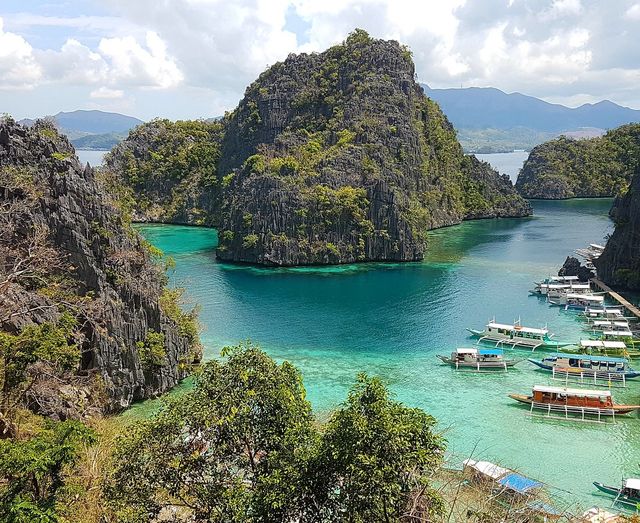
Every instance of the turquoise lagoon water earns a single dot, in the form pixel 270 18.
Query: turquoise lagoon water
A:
pixel 392 320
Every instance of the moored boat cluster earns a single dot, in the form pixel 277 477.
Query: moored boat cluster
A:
pixel 598 361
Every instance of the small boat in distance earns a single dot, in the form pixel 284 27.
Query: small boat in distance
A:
pixel 517 336
pixel 479 359
pixel 565 403
pixel 628 493
pixel 581 366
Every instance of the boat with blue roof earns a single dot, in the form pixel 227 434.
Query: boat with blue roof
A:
pixel 479 359
pixel 581 366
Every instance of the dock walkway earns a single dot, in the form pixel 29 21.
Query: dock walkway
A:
pixel 615 296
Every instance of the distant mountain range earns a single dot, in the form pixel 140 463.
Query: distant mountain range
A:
pixel 93 129
pixel 488 119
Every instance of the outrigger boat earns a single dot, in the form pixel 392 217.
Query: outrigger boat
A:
pixel 479 359
pixel 555 283
pixel 581 366
pixel 517 336
pixel 573 403
pixel 603 313
pixel 578 301
pixel 601 326
pixel 628 494
pixel 604 348
pixel 582 288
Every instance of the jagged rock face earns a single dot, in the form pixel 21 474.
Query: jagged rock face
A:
pixel 171 168
pixel 596 167
pixel 573 267
pixel 619 264
pixel 111 272
pixel 339 157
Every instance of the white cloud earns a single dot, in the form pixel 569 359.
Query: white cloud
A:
pixel 106 94
pixel 547 48
pixel 130 63
pixel 633 12
pixel 18 67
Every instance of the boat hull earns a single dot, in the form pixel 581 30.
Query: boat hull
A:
pixel 615 491
pixel 609 411
pixel 585 372
pixel 518 342
pixel 482 365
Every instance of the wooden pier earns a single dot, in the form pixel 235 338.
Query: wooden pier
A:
pixel 615 296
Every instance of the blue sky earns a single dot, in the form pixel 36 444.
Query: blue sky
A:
pixel 194 58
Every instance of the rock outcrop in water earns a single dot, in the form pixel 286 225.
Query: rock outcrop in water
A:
pixel 339 157
pixel 619 264
pixel 594 167
pixel 335 157
pixel 573 267
pixel 77 255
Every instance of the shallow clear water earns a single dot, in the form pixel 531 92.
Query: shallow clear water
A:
pixel 392 319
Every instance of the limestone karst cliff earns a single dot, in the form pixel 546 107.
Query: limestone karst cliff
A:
pixel 594 167
pixel 334 157
pixel 619 264
pixel 67 251
pixel 340 157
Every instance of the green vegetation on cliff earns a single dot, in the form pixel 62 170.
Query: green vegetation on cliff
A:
pixel 171 167
pixel 339 157
pixel 593 167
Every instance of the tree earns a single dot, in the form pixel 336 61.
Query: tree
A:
pixel 32 471
pixel 375 460
pixel 232 449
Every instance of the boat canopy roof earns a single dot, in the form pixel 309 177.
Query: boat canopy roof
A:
pixel 619 334
pixel 632 483
pixel 486 468
pixel 588 357
pixel 596 246
pixel 587 297
pixel 467 351
pixel 564 278
pixel 519 483
pixel 602 323
pixel 573 392
pixel 603 344
pixel 492 352
pixel 592 343
pixel 531 330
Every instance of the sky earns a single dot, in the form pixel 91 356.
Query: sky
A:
pixel 194 58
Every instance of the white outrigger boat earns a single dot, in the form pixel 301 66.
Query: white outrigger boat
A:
pixel 578 301
pixel 603 313
pixel 581 288
pixel 555 283
pixel 479 359
pixel 517 336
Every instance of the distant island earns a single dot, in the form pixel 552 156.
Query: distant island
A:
pixel 490 120
pixel 94 130
pixel 594 167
